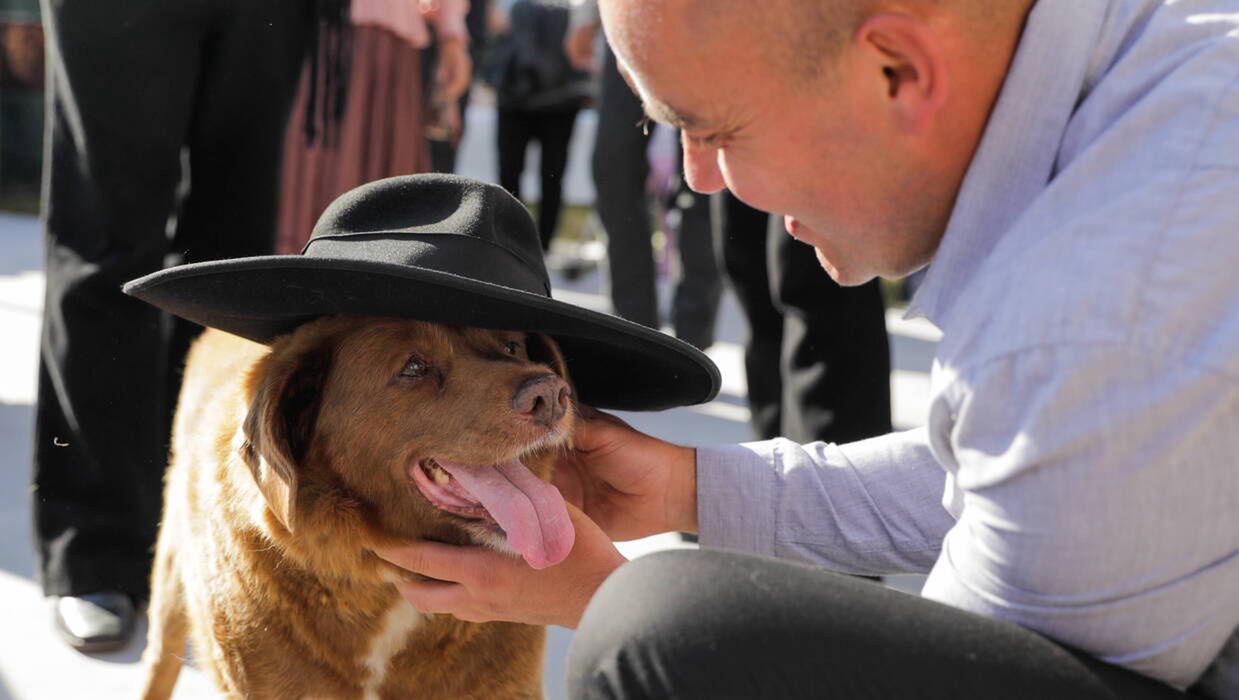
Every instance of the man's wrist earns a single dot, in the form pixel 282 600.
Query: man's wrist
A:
pixel 682 504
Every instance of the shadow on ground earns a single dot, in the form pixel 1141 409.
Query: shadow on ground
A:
pixel 19 239
pixel 16 547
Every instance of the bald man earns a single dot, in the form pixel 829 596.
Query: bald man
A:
pixel 1069 170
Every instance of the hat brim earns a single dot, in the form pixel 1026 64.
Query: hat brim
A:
pixel 614 363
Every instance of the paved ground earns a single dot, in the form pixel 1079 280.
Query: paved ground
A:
pixel 35 665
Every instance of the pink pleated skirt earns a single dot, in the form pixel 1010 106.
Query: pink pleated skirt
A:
pixel 382 134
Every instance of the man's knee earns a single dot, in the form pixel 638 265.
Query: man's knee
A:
pixel 643 613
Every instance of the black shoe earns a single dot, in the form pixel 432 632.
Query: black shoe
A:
pixel 94 621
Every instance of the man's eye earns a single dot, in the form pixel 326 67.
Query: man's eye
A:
pixel 712 141
pixel 512 348
pixel 415 368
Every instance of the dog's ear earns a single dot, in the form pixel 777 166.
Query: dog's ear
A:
pixel 542 349
pixel 280 425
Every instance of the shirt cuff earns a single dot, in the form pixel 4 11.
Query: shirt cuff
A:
pixel 868 507
pixel 737 497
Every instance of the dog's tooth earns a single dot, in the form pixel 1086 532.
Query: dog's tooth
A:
pixel 441 477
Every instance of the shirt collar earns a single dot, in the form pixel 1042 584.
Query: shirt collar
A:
pixel 1016 156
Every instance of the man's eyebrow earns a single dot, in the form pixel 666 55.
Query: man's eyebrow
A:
pixel 666 114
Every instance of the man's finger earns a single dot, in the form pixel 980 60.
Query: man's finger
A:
pixel 570 484
pixel 434 596
pixel 583 523
pixel 434 559
pixel 578 517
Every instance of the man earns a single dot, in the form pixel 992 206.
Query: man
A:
pixel 1071 167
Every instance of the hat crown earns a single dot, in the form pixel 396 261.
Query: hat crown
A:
pixel 445 222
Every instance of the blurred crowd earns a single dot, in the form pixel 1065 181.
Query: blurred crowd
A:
pixel 192 131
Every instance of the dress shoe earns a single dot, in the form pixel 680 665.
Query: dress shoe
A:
pixel 94 621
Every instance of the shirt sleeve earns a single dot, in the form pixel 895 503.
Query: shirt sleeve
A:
pixel 1100 507
pixel 869 507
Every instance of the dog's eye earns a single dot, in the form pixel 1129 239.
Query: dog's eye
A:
pixel 512 348
pixel 415 368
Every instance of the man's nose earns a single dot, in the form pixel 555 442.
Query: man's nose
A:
pixel 701 170
pixel 542 398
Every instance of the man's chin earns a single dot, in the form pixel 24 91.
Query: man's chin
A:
pixel 826 264
pixel 842 275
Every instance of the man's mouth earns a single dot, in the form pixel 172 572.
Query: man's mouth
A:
pixel 530 512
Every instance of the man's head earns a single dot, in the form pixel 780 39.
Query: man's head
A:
pixel 856 118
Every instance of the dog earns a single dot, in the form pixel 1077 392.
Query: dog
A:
pixel 290 464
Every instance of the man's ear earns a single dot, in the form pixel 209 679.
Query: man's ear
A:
pixel 280 425
pixel 542 349
pixel 906 59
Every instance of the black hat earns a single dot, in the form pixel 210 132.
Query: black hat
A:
pixel 438 248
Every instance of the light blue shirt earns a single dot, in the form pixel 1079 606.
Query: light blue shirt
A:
pixel 1079 474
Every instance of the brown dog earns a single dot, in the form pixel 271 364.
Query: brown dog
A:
pixel 290 465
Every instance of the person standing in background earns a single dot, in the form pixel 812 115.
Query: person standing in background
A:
pixel 539 94
pixel 817 359
pixel 620 170
pixel 163 139
pixel 370 124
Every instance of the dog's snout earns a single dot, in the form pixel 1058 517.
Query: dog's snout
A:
pixel 543 398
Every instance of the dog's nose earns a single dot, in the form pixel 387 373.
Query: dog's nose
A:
pixel 543 398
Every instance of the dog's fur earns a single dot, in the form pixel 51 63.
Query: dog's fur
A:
pixel 290 465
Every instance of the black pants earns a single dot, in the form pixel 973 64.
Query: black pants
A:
pixel 817 357
pixel 552 130
pixel 135 86
pixel 715 624
pixel 620 170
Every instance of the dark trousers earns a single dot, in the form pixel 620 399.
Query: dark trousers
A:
pixel 552 130
pixel 136 88
pixel 817 357
pixel 716 624
pixel 620 171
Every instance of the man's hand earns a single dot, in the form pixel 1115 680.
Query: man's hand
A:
pixel 477 584
pixel 454 72
pixel 631 484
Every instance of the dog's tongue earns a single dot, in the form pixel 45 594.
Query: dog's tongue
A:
pixel 530 511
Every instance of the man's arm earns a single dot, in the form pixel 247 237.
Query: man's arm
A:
pixel 869 507
pixel 1101 508
pixel 455 69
